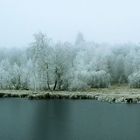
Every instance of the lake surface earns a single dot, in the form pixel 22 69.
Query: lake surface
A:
pixel 22 119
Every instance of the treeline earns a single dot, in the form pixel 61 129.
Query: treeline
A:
pixel 46 65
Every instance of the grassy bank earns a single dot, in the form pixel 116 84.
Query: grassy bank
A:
pixel 114 94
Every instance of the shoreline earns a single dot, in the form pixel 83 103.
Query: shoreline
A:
pixel 104 95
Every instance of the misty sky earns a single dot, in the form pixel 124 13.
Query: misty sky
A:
pixel 111 21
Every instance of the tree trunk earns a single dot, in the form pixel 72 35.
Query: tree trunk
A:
pixel 56 79
pixel 48 81
pixel 55 85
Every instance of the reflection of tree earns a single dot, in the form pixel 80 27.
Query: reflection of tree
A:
pixel 51 120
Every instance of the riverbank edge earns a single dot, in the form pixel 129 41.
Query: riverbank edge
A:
pixel 111 98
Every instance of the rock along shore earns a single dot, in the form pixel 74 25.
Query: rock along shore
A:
pixel 106 97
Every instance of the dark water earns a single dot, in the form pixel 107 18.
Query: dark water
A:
pixel 68 120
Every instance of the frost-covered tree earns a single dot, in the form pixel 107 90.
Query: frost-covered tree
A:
pixel 62 61
pixel 99 79
pixel 79 80
pixel 40 56
pixel 79 39
pixel 5 76
pixel 134 80
pixel 16 76
pixel 46 65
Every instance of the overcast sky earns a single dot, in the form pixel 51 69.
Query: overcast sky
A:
pixel 111 21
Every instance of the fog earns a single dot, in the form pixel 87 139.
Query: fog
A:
pixel 69 45
pixel 100 21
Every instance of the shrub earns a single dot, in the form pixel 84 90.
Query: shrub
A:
pixel 99 79
pixel 79 81
pixel 95 79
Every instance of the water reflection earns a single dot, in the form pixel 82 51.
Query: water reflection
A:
pixel 68 120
